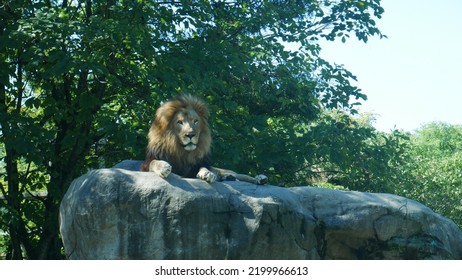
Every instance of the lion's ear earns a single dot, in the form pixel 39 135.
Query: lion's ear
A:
pixel 203 112
pixel 201 109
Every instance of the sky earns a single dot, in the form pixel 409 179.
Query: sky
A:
pixel 414 76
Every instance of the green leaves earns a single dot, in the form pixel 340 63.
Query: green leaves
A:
pixel 435 166
pixel 65 65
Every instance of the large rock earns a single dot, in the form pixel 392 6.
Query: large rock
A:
pixel 121 214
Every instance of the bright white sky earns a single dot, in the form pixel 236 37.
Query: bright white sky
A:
pixel 415 76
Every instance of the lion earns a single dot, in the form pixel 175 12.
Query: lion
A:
pixel 179 142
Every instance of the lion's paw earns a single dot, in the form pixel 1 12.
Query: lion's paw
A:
pixel 206 175
pixel 160 167
pixel 261 179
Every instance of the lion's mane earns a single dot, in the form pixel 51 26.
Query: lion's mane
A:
pixel 163 144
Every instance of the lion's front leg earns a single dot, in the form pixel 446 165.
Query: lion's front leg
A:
pixel 160 167
pixel 206 175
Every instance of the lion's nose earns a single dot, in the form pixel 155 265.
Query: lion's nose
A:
pixel 190 135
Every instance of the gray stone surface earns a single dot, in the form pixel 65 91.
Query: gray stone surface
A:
pixel 121 214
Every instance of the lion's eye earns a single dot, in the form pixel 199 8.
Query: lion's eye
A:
pixel 179 122
pixel 196 121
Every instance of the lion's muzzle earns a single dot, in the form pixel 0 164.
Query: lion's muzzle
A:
pixel 190 141
pixel 190 146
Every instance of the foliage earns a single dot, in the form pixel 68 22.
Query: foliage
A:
pixel 69 74
pixel 435 164
pixel 80 80
pixel 351 153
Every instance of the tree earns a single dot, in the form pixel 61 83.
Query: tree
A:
pixel 435 163
pixel 348 152
pixel 68 69
pixel 80 80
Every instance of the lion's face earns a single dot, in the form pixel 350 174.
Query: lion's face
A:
pixel 187 127
pixel 180 134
